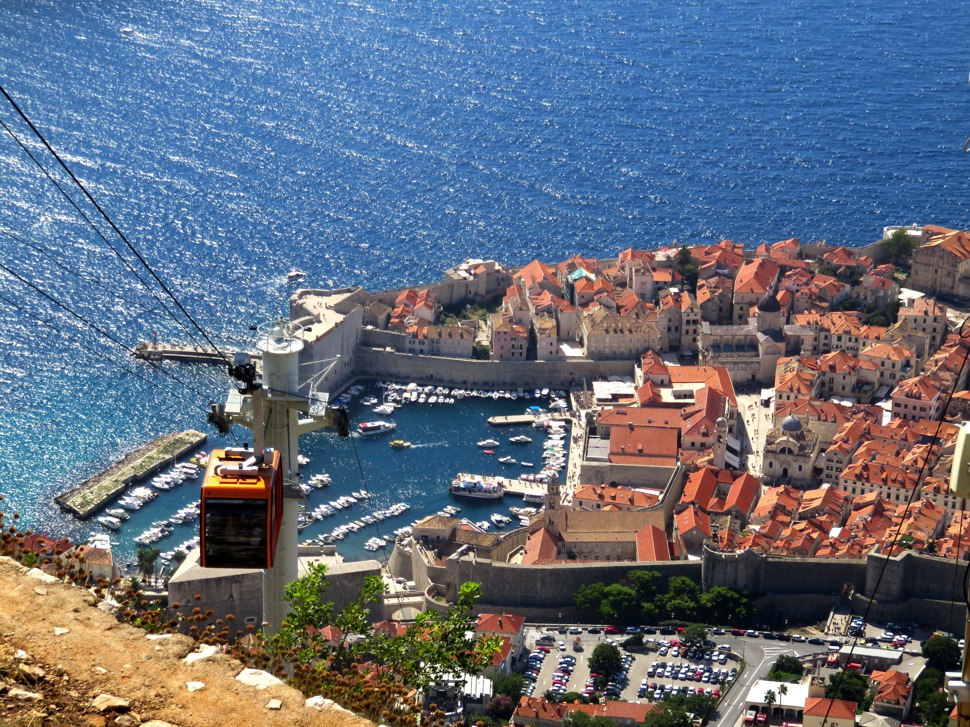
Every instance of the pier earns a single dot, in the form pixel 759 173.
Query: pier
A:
pixel 187 354
pixel 505 421
pixel 95 492
pixel 518 488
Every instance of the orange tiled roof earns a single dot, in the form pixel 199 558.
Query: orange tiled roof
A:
pixel 499 623
pixel 839 709
pixel 755 276
pixel 644 446
pixel 955 242
pixel 693 518
pixel 652 544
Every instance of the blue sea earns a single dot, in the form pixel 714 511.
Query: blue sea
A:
pixel 377 143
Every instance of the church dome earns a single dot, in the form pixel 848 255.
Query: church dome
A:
pixel 721 423
pixel 791 424
pixel 769 304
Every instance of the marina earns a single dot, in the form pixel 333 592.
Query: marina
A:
pixel 363 509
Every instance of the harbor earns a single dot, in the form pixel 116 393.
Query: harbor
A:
pixel 96 492
pixel 360 506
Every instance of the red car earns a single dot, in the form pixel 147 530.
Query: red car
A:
pixel 611 630
pixel 737 632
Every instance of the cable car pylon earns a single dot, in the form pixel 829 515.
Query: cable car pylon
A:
pixel 277 413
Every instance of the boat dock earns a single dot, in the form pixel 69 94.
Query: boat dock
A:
pixel 518 488
pixel 95 492
pixel 188 354
pixel 525 419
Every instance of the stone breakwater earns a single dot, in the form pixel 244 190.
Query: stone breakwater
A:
pixel 91 495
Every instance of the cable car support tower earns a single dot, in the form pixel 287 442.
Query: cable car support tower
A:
pixel 277 413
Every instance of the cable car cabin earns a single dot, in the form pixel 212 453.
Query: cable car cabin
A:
pixel 242 509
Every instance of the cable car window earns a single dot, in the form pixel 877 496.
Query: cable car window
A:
pixel 235 533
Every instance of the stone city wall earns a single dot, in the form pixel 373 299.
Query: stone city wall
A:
pixel 913 575
pixel 547 587
pixel 466 373
pixel 777 575
pixel 452 292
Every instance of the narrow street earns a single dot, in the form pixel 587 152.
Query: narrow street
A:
pixel 757 422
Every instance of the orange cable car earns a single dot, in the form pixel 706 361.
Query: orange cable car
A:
pixel 242 508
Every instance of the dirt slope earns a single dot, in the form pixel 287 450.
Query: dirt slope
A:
pixel 99 656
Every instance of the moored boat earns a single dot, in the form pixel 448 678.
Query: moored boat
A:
pixel 370 429
pixel 471 486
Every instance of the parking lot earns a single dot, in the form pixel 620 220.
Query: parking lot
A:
pixel 561 664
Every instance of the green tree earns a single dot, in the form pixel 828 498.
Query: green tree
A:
pixel 633 642
pixel 613 603
pixel 682 598
pixel 782 692
pixel 942 653
pixel 605 661
pixel 500 707
pixel 723 605
pixel 933 710
pixel 588 599
pixel 433 645
pixel 850 685
pixel 619 605
pixel 694 635
pixel 683 256
pixel 146 558
pixel 899 247
pixel 770 699
pixel 511 685
pixel 667 715
pixel 699 705
pixel 645 585
pixel 481 351
pixel 437 644
pixel 786 664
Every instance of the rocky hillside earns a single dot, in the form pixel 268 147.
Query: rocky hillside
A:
pixel 63 661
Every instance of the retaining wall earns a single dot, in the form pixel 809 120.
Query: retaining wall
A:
pixel 466 373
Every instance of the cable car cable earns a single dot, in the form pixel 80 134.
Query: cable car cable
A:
pixel 110 222
pixel 94 227
pixel 370 498
pixel 88 323
pixel 100 354
pixel 80 276
pixel 964 336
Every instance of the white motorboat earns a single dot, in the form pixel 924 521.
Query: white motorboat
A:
pixel 370 429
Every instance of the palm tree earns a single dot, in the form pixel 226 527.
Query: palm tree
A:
pixel 770 699
pixel 146 561
pixel 782 691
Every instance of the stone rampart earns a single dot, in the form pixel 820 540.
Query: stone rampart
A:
pixel 779 575
pixel 913 575
pixel 373 338
pixel 466 373
pixel 546 587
